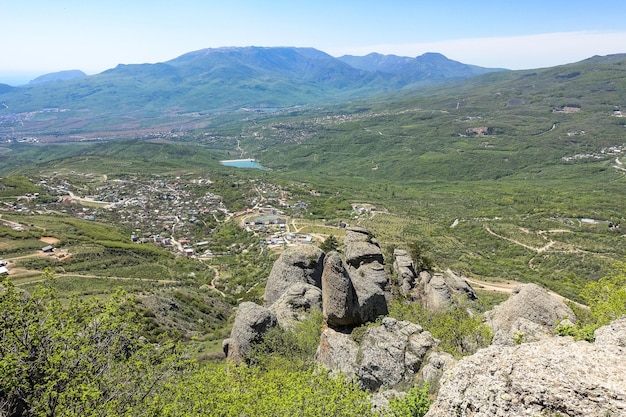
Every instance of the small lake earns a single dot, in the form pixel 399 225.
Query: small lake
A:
pixel 243 163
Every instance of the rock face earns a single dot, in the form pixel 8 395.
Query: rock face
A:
pixel 297 300
pixel 251 322
pixel 386 355
pixel 301 264
pixel 554 376
pixel 612 334
pixel 403 265
pixel 438 291
pixel 351 297
pixel 530 314
pixel 339 303
pixel 361 248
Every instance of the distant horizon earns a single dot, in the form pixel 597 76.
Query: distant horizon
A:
pixel 22 79
pixel 48 37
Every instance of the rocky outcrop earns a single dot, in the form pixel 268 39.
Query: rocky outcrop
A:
pixel 251 322
pixel 435 365
pixel 384 355
pixel 361 248
pixel 301 264
pixel 530 314
pixel 554 376
pixel 293 305
pixel 351 297
pixel 405 270
pixel 438 291
pixel 612 334
pixel 339 304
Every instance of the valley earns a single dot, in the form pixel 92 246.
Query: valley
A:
pixel 482 178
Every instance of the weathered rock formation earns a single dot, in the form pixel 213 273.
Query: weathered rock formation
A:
pixel 361 248
pixel 612 334
pixel 385 355
pixel 530 314
pixel 554 376
pixel 301 264
pixel 403 265
pixel 298 300
pixel 438 291
pixel 351 297
pixel 251 322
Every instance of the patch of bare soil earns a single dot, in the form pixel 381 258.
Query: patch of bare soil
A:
pixel 50 240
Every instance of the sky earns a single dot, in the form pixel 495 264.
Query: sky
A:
pixel 42 36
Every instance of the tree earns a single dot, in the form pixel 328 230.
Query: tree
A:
pixel 606 299
pixel 329 244
pixel 415 403
pixel 76 358
pixel 421 260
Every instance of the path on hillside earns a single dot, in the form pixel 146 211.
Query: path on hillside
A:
pixel 216 277
pixel 508 286
pixel 65 275
pixel 534 249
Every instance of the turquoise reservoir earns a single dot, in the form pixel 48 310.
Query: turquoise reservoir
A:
pixel 243 163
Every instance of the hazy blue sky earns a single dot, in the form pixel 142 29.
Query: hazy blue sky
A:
pixel 40 36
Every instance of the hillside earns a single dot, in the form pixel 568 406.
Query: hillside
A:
pixel 194 84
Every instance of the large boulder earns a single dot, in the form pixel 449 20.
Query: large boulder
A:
pixel 339 303
pixel 530 314
pixel 361 247
pixel 299 264
pixel 612 334
pixel 370 281
pixel 251 322
pixel 554 376
pixel 438 291
pixel 385 355
pixel 351 297
pixel 297 300
pixel 405 270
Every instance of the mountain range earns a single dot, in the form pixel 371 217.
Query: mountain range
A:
pixel 224 79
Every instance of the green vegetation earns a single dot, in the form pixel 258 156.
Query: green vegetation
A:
pixel 414 404
pixel 459 331
pixel 82 358
pixel 606 299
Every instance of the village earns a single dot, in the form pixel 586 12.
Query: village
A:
pixel 178 213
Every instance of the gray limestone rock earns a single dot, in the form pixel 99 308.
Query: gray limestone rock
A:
pixel 251 323
pixel 438 291
pixel 530 314
pixel 405 270
pixel 554 376
pixel 300 264
pixel 339 304
pixel 361 247
pixel 612 334
pixel 386 355
pixel 298 299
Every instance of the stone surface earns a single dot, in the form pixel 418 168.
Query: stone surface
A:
pixel 387 355
pixel 530 314
pixel 612 334
pixel 405 270
pixel 435 364
pixel 339 304
pixel 251 322
pixel 438 291
pixel 297 300
pixel 361 248
pixel 554 376
pixel 299 264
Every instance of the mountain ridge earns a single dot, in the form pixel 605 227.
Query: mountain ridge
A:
pixel 223 79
